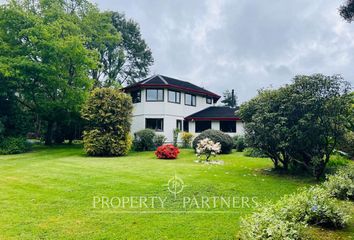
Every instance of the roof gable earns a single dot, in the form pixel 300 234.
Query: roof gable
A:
pixel 171 83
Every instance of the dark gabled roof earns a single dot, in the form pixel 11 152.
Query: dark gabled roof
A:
pixel 214 113
pixel 171 83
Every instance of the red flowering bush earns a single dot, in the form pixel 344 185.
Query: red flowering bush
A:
pixel 167 151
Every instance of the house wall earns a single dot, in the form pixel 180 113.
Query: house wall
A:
pixel 216 126
pixel 170 112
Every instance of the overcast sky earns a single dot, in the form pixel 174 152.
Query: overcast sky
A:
pixel 243 44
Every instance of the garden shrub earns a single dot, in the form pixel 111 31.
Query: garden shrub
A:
pixel 216 136
pixel 341 184
pixel 175 133
pixel 14 145
pixel 144 140
pixel 254 152
pixel 206 147
pixel 287 218
pixel 159 140
pixel 337 160
pixel 312 206
pixel 267 224
pixel 186 139
pixel 167 151
pixel 108 113
pixel 239 143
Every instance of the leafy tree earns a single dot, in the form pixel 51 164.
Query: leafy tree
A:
pixel 124 58
pixel 108 112
pixel 43 57
pixel 347 10
pixel 229 99
pixel 299 124
pixel 266 125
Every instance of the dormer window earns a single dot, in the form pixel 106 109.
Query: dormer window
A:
pixel 174 97
pixel 190 100
pixel 209 100
pixel 136 96
pixel 154 95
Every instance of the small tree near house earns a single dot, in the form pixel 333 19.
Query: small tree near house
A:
pixel 108 112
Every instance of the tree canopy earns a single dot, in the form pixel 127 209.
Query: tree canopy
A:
pixel 347 10
pixel 229 98
pixel 53 52
pixel 299 124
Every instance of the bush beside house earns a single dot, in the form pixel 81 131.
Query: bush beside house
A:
pixel 108 113
pixel 217 137
pixel 167 151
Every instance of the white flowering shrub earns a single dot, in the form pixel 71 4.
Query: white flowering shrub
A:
pixel 207 148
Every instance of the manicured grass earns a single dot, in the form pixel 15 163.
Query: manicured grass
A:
pixel 48 194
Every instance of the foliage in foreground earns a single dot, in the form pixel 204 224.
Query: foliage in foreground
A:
pixel 299 124
pixel 14 145
pixel 216 136
pixel 341 184
pixel 287 218
pixel 108 112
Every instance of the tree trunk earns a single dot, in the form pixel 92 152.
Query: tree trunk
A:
pixel 49 133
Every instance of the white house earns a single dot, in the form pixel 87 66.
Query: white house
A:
pixel 163 104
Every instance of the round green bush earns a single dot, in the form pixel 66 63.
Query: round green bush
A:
pixel 108 113
pixel 216 136
pixel 239 143
pixel 14 145
pixel 144 140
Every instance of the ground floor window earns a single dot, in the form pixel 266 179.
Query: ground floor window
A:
pixel 154 123
pixel 228 126
pixel 185 126
pixel 179 124
pixel 200 126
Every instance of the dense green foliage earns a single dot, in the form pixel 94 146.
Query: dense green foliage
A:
pixel 239 143
pixel 159 140
pixel 229 99
pixel 287 218
pixel 254 152
pixel 341 184
pixel 108 113
pixel 217 137
pixel 144 140
pixel 14 145
pixel 299 124
pixel 347 10
pixel 269 224
pixel 51 54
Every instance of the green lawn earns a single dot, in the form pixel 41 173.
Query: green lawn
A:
pixel 48 194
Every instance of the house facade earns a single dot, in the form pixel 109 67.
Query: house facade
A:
pixel 163 104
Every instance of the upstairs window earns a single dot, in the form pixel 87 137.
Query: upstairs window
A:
pixel 154 95
pixel 190 100
pixel 136 96
pixel 154 124
pixel 209 100
pixel 228 126
pixel 174 97
pixel 201 126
